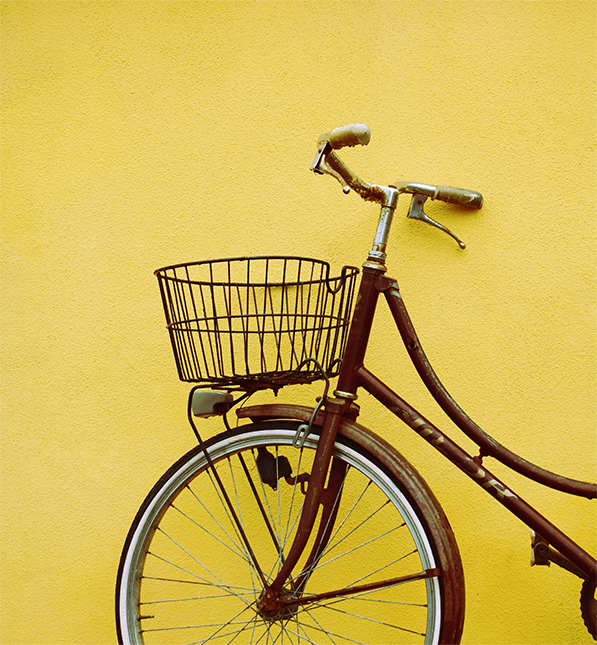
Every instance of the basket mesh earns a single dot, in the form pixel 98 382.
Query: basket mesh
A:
pixel 253 322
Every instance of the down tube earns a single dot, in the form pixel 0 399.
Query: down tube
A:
pixel 477 473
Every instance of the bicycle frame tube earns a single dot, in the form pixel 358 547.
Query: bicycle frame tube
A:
pixel 354 375
pixel 488 445
pixel 478 473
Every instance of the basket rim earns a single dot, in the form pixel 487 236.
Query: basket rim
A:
pixel 161 273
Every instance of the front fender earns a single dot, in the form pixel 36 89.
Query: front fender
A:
pixel 373 443
pixel 362 436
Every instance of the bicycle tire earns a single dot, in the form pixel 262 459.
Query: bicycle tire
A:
pixel 176 542
pixel 588 607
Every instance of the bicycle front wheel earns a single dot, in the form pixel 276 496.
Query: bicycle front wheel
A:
pixel 189 574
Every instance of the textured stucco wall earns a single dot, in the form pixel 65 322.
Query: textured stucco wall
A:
pixel 139 134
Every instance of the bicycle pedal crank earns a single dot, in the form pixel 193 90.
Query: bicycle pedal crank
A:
pixel 272 469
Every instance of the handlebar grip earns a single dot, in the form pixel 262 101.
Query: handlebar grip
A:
pixel 462 196
pixel 348 135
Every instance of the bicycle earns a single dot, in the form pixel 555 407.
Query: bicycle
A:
pixel 299 525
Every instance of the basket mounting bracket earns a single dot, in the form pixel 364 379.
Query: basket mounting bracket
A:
pixel 303 431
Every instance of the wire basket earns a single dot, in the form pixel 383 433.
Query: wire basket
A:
pixel 253 323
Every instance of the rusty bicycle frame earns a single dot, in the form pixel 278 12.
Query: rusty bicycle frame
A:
pixel 354 375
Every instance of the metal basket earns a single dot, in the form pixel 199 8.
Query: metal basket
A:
pixel 253 323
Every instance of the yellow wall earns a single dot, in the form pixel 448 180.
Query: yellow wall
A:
pixel 139 134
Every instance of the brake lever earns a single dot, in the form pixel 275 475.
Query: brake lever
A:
pixel 416 212
pixel 321 167
pixel 321 150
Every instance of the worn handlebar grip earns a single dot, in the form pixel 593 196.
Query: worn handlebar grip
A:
pixel 458 196
pixel 348 135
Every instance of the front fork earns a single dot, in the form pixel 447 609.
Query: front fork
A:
pixel 317 494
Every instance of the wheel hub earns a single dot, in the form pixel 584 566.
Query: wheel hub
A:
pixel 272 608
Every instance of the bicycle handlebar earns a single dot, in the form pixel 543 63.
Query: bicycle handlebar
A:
pixel 459 196
pixel 449 194
pixel 360 134
pixel 328 162
pixel 356 134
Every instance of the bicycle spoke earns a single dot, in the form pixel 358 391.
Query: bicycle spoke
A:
pixel 242 528
pixel 331 545
pixel 240 554
pixel 284 631
pixel 359 596
pixel 177 580
pixel 297 517
pixel 252 622
pixel 230 622
pixel 223 586
pixel 344 638
pixel 385 566
pixel 351 510
pixel 281 546
pixel 292 498
pixel 234 635
pixel 201 626
pixel 276 525
pixel 362 598
pixel 259 502
pixel 227 506
pixel 362 523
pixel 191 555
pixel 238 508
pixel 158 602
pixel 215 634
pixel 216 520
pixel 306 610
pixel 368 619
pixel 374 539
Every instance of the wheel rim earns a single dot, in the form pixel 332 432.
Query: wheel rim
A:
pixel 152 545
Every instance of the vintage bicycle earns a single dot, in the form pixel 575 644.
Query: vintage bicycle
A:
pixel 297 524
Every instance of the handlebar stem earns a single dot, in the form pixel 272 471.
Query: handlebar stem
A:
pixel 377 255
